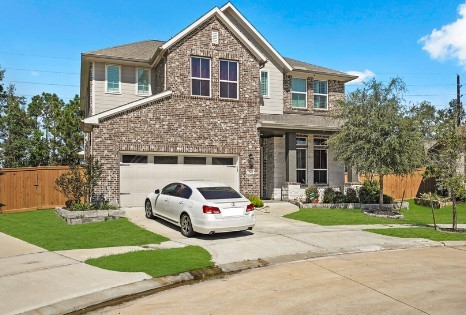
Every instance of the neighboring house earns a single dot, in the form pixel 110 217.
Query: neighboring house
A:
pixel 214 102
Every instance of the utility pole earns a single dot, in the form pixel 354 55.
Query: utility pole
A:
pixel 459 108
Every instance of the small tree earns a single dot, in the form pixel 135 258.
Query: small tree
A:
pixel 78 184
pixel 446 157
pixel 377 134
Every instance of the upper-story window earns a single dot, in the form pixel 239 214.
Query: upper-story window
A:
pixel 228 79
pixel 112 78
pixel 264 83
pixel 200 76
pixel 298 93
pixel 143 81
pixel 320 94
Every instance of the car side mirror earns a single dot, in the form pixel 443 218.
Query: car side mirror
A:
pixel 157 191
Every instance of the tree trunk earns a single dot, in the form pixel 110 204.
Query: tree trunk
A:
pixel 381 192
pixel 453 199
pixel 433 213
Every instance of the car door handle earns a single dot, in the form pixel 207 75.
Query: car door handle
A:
pixel 181 202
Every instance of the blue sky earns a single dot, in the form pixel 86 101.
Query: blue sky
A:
pixel 373 37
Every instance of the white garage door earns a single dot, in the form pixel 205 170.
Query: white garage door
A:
pixel 141 175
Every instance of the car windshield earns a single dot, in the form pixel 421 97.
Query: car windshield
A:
pixel 218 193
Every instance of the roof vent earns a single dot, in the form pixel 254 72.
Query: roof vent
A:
pixel 215 37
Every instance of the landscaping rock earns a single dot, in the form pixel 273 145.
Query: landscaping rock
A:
pixel 79 217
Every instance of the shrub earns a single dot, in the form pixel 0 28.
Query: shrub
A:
pixel 329 195
pixel 78 184
pixel 311 193
pixel 461 195
pixel 256 201
pixel 369 193
pixel 351 196
pixel 338 197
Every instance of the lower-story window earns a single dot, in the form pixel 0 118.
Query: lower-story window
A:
pixel 320 161
pixel 301 157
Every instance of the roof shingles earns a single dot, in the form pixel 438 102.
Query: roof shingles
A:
pixel 142 51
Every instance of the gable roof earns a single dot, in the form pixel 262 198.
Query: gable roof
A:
pixel 141 51
pixel 219 14
pixel 254 31
pixel 304 66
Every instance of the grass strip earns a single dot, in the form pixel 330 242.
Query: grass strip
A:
pixel 156 263
pixel 46 229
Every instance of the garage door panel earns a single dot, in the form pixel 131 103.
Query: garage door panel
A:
pixel 137 180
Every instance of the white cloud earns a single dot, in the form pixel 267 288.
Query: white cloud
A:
pixel 362 76
pixel 449 42
pixel 35 73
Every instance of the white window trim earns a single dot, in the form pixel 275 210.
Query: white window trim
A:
pixel 106 79
pixel 227 81
pixel 302 147
pixel 321 94
pixel 137 82
pixel 191 76
pixel 320 147
pixel 305 93
pixel 268 82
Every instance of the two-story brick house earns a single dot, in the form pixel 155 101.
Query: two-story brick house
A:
pixel 216 102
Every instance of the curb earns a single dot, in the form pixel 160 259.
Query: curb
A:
pixel 132 291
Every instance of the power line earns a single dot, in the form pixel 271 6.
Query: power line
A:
pixel 46 71
pixel 42 56
pixel 39 83
pixel 440 84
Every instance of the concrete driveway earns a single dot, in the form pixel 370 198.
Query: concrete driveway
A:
pixel 276 239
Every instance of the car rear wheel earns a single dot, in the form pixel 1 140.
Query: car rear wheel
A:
pixel 148 209
pixel 186 226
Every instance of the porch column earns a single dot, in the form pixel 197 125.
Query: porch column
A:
pixel 290 156
pixel 352 174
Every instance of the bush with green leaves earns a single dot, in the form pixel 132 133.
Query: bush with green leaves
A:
pixel 370 191
pixel 329 195
pixel 339 197
pixel 78 184
pixel 256 201
pixel 311 193
pixel 351 196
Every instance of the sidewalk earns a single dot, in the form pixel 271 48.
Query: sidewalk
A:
pixel 32 277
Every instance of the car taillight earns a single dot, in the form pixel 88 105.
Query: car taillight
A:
pixel 209 209
pixel 250 207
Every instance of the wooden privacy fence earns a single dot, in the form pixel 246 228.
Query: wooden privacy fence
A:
pixel 410 185
pixel 30 188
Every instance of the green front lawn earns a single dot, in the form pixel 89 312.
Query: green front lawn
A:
pixel 417 215
pixel 420 232
pixel 157 263
pixel 46 229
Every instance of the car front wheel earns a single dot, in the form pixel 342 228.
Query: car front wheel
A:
pixel 148 209
pixel 186 226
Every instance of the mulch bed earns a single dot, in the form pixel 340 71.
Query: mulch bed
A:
pixel 450 230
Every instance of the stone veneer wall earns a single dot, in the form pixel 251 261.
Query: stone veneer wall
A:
pixel 185 124
pixel 336 91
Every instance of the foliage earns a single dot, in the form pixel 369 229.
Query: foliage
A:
pixel 311 193
pixel 157 263
pixel 378 135
pixel 78 184
pixel 329 195
pixel 351 196
pixel 461 194
pixel 434 196
pixel 445 157
pixel 369 192
pixel 14 130
pixel 416 215
pixel 420 232
pixel 46 229
pixel 339 197
pixel 45 132
pixel 256 201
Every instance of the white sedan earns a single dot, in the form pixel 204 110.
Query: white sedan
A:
pixel 201 206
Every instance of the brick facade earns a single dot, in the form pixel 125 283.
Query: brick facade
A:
pixel 186 124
